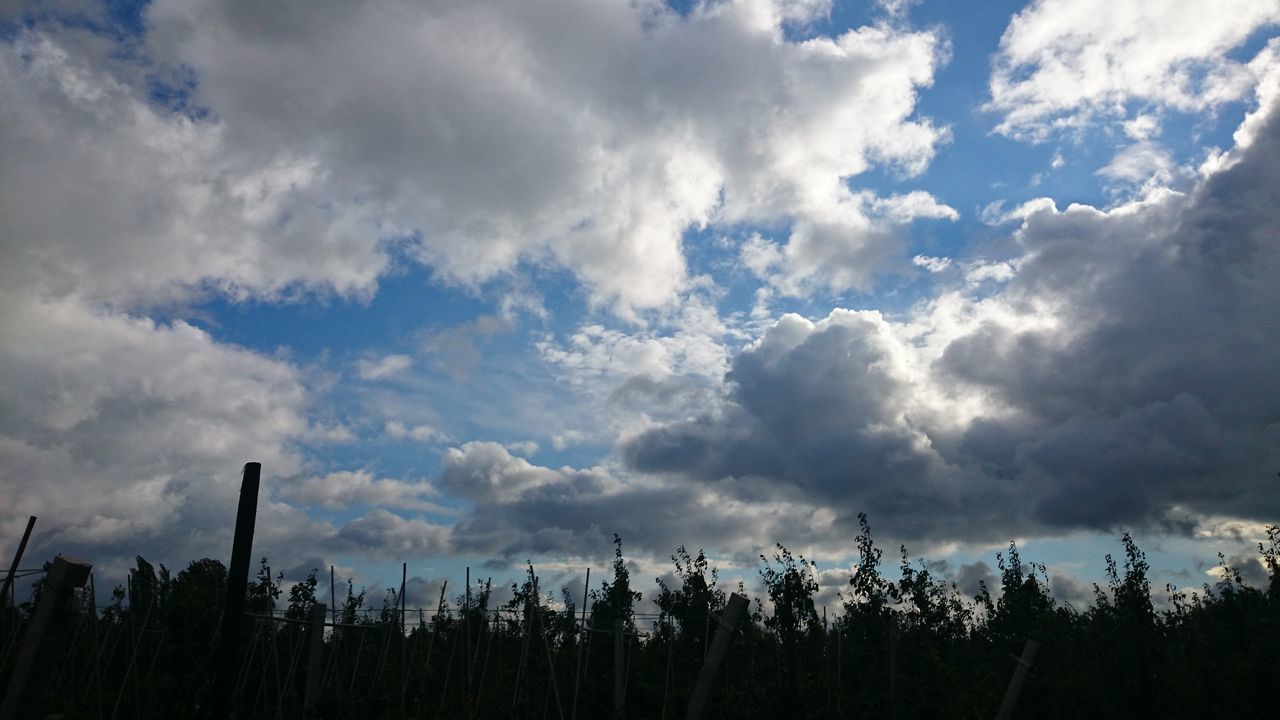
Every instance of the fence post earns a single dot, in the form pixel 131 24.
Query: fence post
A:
pixel 316 632
pixel 44 642
pixel 1011 695
pixel 17 558
pixel 225 665
pixel 733 613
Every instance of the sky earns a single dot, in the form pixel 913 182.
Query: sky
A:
pixel 482 282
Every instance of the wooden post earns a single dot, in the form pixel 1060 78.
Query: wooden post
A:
pixel 333 600
pixel 225 665
pixel 17 558
pixel 733 613
pixel 1011 695
pixel 466 634
pixel 44 642
pixel 316 640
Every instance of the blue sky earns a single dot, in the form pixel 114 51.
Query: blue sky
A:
pixel 484 282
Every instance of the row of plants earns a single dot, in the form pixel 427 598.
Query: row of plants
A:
pixel 901 647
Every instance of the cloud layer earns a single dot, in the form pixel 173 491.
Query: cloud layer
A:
pixel 1122 375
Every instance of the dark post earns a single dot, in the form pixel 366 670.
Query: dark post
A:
pixel 1019 677
pixel 225 663
pixel 316 639
pixel 44 642
pixel 619 671
pixel 17 558
pixel 733 613
pixel 893 668
pixel 333 599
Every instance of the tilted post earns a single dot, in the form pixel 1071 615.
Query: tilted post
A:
pixel 225 663
pixel 45 641
pixel 1012 694
pixel 729 619
pixel 17 558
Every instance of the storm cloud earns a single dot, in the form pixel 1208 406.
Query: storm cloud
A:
pixel 1124 375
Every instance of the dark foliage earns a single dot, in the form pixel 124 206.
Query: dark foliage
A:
pixel 913 647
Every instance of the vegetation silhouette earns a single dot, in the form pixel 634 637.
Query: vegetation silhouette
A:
pixel 910 647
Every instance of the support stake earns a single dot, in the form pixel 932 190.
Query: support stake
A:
pixel 43 645
pixel 17 558
pixel 1012 694
pixel 225 665
pixel 733 613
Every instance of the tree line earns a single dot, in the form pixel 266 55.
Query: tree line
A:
pixel 904 644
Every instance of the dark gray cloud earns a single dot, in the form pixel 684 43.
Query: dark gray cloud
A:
pixel 1125 375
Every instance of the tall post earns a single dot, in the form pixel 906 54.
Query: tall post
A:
pixel 17 558
pixel 225 663
pixel 333 600
pixel 315 631
pixel 619 671
pixel 466 631
pixel 1011 695
pixel 729 619
pixel 44 642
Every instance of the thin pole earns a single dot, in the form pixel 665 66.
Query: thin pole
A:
pixel 17 558
pixel 333 599
pixel 584 639
pixel 466 635
pixel 551 669
pixel 224 678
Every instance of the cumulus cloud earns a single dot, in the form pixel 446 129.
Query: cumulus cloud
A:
pixel 519 509
pixel 1063 63
pixel 380 533
pixel 586 134
pixel 397 430
pixel 109 197
pixel 339 490
pixel 117 428
pixel 1121 373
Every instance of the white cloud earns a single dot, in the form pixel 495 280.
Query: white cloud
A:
pixel 107 196
pixel 397 430
pixel 487 472
pixel 1146 164
pixel 932 264
pixel 340 490
pixel 383 368
pixel 583 133
pixel 119 429
pixel 1063 63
